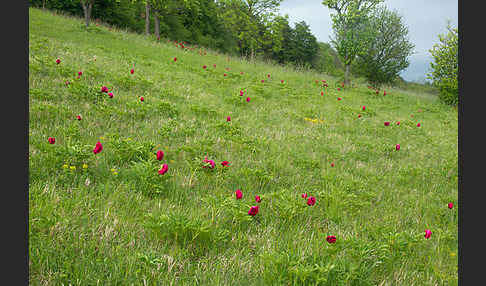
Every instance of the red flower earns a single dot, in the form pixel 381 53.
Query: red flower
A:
pixel 398 122
pixel 164 169
pixel 339 98
pixel 228 118
pixel 247 99
pixel 58 61
pixel 304 195
pixel 67 82
pixel 238 194
pixel 104 89
pixel 397 147
pixel 428 233
pixel 342 84
pixel 241 72
pixel 387 123
pixel 142 99
pixel 110 95
pixel 132 71
pixel 214 65
pixel 364 108
pixel 204 66
pixel 258 199
pixel 175 59
pixel 224 74
pixel 78 117
pixel 359 115
pixel 311 201
pixel 450 205
pixel 322 92
pixel 339 89
pixel 418 124
pixel 211 162
pixel 225 163
pixel 241 92
pixel 331 239
pixel 160 155
pixel 282 81
pixel 332 164
pixel 384 92
pixel 253 210
pixel 268 75
pixel 377 92
pixel 51 140
pixel 97 149
pixel 80 73
pixel 263 81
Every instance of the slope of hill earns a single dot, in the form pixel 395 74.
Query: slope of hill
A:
pixel 110 218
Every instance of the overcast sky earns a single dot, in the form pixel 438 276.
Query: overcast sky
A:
pixel 425 19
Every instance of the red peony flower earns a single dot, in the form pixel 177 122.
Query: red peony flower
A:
pixel 214 65
pixel 304 195
pixel 428 233
pixel 397 147
pixel 359 115
pixel 51 140
pixel 282 81
pixel 98 148
pixel 332 164
pixel 238 194
pixel 339 89
pixel 258 199
pixel 263 81
pixel 164 169
pixel 228 118
pixel 225 163
pixel 268 75
pixel 78 117
pixel 58 61
pixel 387 123
pixel 211 162
pixel 175 59
pixel 322 93
pixel 204 66
pixel 311 201
pixel 110 95
pixel 331 239
pixel 418 124
pixel 339 98
pixel 247 99
pixel 132 71
pixel 364 108
pixel 241 72
pixel 104 89
pixel 384 92
pixel 253 210
pixel 225 74
pixel 450 205
pixel 80 73
pixel 142 99
pixel 160 155
pixel 398 122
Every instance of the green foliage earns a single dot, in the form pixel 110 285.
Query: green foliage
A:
pixel 444 66
pixel 385 53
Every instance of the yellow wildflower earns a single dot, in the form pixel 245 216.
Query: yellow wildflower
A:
pixel 85 166
pixel 72 168
pixel 65 166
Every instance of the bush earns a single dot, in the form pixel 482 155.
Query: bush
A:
pixel 444 66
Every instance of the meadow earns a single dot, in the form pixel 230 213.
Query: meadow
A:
pixel 112 217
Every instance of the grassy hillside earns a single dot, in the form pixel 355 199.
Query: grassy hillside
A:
pixel 111 219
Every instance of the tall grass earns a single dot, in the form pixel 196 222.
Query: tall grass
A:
pixel 111 219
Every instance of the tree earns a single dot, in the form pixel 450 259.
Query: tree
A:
pixel 305 45
pixel 348 25
pixel 87 6
pixel 386 52
pixel 147 18
pixel 444 66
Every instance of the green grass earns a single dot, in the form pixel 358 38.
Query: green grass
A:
pixel 90 226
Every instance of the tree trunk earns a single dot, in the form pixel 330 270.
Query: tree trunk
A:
pixel 87 12
pixel 157 25
pixel 346 75
pixel 147 18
